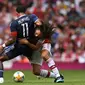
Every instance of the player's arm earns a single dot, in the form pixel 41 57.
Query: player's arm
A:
pixel 36 20
pixel 13 35
pixel 26 42
pixel 9 42
pixel 34 47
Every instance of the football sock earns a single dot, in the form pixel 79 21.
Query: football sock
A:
pixel 52 66
pixel 1 73
pixel 46 73
pixel 1 69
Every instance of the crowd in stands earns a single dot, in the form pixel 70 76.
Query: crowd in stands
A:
pixel 68 18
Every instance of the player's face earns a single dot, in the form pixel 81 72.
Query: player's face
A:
pixel 38 33
pixel 18 14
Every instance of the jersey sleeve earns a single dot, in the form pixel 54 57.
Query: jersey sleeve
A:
pixel 34 17
pixel 13 28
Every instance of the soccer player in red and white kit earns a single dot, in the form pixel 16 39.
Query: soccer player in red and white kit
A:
pixel 44 32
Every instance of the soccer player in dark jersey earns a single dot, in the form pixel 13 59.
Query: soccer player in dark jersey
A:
pixel 21 28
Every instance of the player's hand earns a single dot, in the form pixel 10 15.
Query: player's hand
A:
pixel 23 41
pixel 1 48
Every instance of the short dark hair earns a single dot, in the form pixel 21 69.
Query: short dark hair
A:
pixel 21 9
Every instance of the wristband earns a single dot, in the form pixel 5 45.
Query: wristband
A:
pixel 4 45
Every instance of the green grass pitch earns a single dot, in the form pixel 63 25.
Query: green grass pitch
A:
pixel 71 78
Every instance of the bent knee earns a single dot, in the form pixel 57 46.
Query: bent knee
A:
pixel 3 58
pixel 44 53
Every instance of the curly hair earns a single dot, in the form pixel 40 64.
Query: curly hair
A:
pixel 46 30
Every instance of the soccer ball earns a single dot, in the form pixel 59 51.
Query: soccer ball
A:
pixel 18 76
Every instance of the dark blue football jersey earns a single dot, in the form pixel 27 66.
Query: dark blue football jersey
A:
pixel 24 26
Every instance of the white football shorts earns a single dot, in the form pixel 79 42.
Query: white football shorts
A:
pixel 36 57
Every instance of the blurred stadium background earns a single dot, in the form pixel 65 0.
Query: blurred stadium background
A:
pixel 68 16
pixel 68 46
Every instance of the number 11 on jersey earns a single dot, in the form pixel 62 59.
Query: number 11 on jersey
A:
pixel 25 29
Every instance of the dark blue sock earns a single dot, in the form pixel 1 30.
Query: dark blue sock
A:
pixel 1 69
pixel 1 73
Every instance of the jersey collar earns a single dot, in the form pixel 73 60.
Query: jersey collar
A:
pixel 22 15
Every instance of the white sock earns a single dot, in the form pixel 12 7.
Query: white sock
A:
pixel 46 73
pixel 52 66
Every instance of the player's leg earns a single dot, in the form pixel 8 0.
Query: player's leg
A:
pixel 2 58
pixel 41 72
pixel 46 55
pixel 7 55
pixel 36 62
pixel 1 72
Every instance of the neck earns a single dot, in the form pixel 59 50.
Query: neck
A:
pixel 21 14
